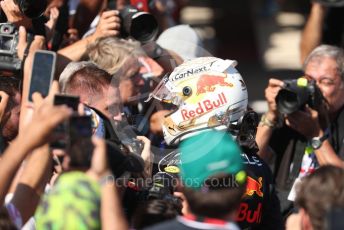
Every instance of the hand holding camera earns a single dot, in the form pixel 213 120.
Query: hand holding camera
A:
pixel 271 92
pixel 109 25
pixel 305 122
pixel 298 101
pixel 136 22
pixel 297 93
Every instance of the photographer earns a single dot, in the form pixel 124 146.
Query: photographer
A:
pixel 296 156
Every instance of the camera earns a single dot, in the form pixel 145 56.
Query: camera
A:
pixel 245 130
pixel 9 60
pixel 297 93
pixel 140 25
pixel 120 162
pixel 127 135
pixel 163 188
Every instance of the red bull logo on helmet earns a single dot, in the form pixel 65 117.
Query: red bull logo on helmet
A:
pixel 253 186
pixel 204 106
pixel 208 83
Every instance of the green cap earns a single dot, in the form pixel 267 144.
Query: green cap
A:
pixel 207 154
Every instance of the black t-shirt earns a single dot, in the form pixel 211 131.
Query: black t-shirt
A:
pixel 289 148
pixel 260 208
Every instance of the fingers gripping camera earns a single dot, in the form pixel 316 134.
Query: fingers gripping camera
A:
pixel 296 93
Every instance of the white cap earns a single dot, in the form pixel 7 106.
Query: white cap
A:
pixel 183 40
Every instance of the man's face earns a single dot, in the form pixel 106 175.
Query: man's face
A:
pixel 131 88
pixel 108 103
pixel 10 121
pixel 324 72
pixel 132 82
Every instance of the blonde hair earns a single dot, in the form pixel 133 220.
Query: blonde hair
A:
pixel 111 53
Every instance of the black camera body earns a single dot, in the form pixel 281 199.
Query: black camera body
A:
pixel 163 188
pixel 9 60
pixel 140 25
pixel 297 93
pixel 127 136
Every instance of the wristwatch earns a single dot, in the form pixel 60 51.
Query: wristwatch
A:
pixel 316 142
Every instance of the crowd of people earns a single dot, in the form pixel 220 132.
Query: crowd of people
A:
pixel 143 129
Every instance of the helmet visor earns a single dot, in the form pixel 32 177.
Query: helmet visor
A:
pixel 166 92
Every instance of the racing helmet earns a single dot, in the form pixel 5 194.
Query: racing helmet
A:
pixel 207 92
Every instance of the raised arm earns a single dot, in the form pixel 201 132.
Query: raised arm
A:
pixel 108 25
pixel 312 33
pixel 32 136
pixel 269 120
pixel 111 209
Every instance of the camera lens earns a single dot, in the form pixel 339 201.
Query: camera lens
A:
pixel 6 29
pixel 144 27
pixel 140 25
pixel 287 102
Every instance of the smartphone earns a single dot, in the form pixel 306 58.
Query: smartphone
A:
pixel 70 100
pixel 42 73
pixel 80 127
pixel 60 132
pixel 80 148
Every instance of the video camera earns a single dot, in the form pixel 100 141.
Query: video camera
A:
pixel 9 60
pixel 32 9
pixel 297 93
